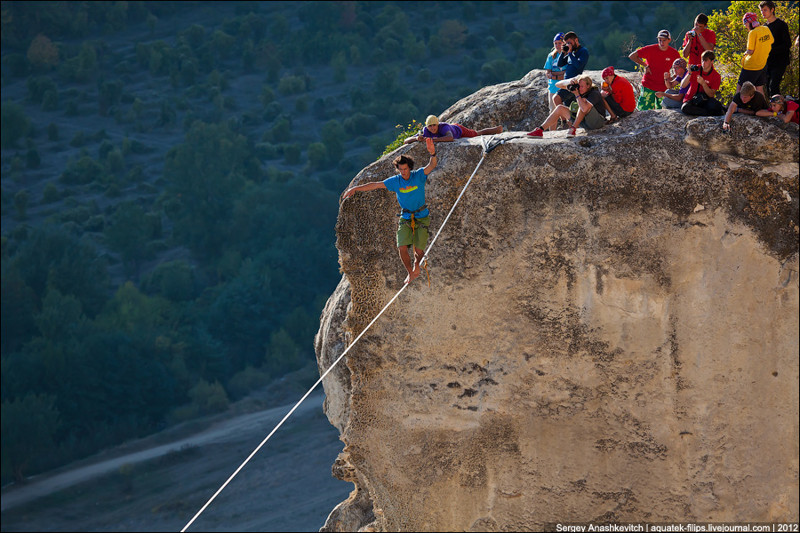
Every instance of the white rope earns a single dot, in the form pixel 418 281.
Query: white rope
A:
pixel 405 285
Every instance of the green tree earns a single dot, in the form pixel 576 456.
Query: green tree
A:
pixel 128 233
pixel 28 426
pixel 15 124
pixel 732 43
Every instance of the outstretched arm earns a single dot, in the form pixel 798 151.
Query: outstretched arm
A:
pixel 726 123
pixel 365 187
pixel 434 160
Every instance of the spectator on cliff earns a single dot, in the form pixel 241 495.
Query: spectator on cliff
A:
pixel 552 71
pixel 754 62
pixel 784 108
pixel 618 96
pixel 678 84
pixel 442 132
pixel 747 101
pixel 704 81
pixel 409 186
pixel 779 55
pixel 698 40
pixel 590 108
pixel 573 59
pixel 656 59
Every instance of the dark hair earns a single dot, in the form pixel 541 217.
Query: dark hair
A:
pixel 708 54
pixel 702 19
pixel 403 160
pixel 769 3
pixel 570 35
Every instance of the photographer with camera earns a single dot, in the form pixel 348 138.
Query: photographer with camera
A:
pixel 590 107
pixel 704 81
pixel 698 40
pixel 656 59
pixel 573 59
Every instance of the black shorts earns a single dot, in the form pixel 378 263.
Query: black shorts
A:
pixel 756 77
pixel 566 97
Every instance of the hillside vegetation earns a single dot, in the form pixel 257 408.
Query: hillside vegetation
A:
pixel 170 183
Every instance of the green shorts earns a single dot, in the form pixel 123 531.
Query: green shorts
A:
pixel 420 235
pixel 648 100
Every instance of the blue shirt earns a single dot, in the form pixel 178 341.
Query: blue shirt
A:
pixel 574 62
pixel 410 193
pixel 551 64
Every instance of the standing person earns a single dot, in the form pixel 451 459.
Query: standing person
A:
pixel 780 55
pixel 673 98
pixel 759 44
pixel 552 71
pixel 698 40
pixel 591 110
pixel 656 59
pixel 704 81
pixel 618 98
pixel 748 101
pixel 573 59
pixel 409 186
pixel 442 132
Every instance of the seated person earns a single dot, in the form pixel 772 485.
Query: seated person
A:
pixel 443 132
pixel 785 109
pixel 747 101
pixel 704 81
pixel 672 98
pixel 618 98
pixel 590 108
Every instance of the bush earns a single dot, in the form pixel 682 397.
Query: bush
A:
pixel 15 124
pixel 84 170
pixel 291 84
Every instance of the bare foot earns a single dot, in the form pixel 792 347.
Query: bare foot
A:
pixel 413 275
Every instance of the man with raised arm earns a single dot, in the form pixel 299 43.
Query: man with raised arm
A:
pixel 409 186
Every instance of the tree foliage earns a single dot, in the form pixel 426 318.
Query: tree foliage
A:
pixel 732 42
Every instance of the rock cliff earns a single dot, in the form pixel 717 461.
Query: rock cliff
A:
pixel 610 333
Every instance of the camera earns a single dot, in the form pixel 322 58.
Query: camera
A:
pixel 565 48
pixel 692 33
pixel 572 87
pixel 694 68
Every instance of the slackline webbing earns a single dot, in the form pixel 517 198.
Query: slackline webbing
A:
pixel 487 147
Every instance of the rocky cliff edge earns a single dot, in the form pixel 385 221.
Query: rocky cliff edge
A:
pixel 610 333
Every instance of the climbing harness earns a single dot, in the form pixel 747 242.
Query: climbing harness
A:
pixel 489 144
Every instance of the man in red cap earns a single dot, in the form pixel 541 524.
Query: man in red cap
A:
pixel 617 94
pixel 656 60
pixel 759 44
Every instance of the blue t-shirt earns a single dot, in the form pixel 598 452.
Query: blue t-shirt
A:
pixel 443 130
pixel 574 62
pixel 551 64
pixel 411 193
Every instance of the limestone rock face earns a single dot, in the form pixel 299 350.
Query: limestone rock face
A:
pixel 610 332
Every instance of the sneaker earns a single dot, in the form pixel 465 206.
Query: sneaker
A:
pixel 571 132
pixel 538 132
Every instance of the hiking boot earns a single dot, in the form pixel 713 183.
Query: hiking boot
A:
pixel 538 132
pixel 571 132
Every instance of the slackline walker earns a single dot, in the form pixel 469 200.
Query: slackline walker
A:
pixel 488 145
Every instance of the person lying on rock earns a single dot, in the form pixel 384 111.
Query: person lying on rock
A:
pixel 442 132
pixel 589 108
pixel 748 101
pixel 409 186
pixel 785 109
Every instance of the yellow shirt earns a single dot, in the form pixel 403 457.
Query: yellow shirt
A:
pixel 759 40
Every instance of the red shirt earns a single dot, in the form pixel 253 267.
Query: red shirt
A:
pixel 696 49
pixel 659 61
pixel 622 91
pixel 713 79
pixel 793 106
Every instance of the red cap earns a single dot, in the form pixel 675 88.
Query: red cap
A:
pixel 608 71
